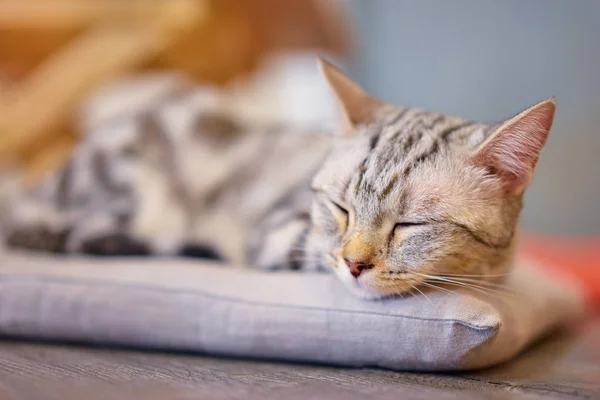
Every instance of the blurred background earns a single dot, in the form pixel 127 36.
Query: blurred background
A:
pixel 487 60
pixel 479 59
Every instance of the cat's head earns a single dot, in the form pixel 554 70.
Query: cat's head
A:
pixel 408 197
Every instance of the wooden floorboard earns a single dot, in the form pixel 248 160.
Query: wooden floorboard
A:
pixel 566 365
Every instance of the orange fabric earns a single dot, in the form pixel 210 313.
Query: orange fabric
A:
pixel 574 258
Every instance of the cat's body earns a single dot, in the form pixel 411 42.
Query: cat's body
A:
pixel 181 178
pixel 402 198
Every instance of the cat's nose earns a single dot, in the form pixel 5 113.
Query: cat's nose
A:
pixel 357 267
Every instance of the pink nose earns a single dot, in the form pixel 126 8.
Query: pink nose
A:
pixel 357 267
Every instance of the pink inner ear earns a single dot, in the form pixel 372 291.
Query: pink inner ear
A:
pixel 513 150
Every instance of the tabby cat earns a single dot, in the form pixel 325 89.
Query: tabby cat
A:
pixel 397 199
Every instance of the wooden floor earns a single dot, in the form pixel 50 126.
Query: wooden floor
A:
pixel 566 365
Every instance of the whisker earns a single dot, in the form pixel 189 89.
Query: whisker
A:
pixel 484 283
pixel 481 289
pixel 486 291
pixel 442 289
pixel 475 275
pixel 419 290
pixel 471 282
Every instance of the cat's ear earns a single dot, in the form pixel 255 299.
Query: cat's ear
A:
pixel 357 106
pixel 512 150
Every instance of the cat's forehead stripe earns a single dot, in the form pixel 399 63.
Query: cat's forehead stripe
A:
pixel 407 139
pixel 446 133
pixel 405 124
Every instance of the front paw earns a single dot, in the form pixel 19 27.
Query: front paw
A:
pixel 206 252
pixel 116 244
pixel 37 238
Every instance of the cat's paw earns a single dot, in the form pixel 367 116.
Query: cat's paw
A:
pixel 206 252
pixel 37 238
pixel 115 244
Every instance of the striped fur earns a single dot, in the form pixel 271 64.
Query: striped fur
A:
pixel 183 177
pixel 406 191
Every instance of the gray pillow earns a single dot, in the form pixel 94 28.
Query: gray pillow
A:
pixel 216 309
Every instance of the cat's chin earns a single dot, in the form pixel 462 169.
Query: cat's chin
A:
pixel 366 294
pixel 370 294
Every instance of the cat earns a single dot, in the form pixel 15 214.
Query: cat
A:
pixel 398 199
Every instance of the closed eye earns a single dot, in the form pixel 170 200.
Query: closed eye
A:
pixel 340 208
pixel 341 214
pixel 401 225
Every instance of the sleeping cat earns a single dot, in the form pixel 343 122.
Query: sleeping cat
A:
pixel 399 198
